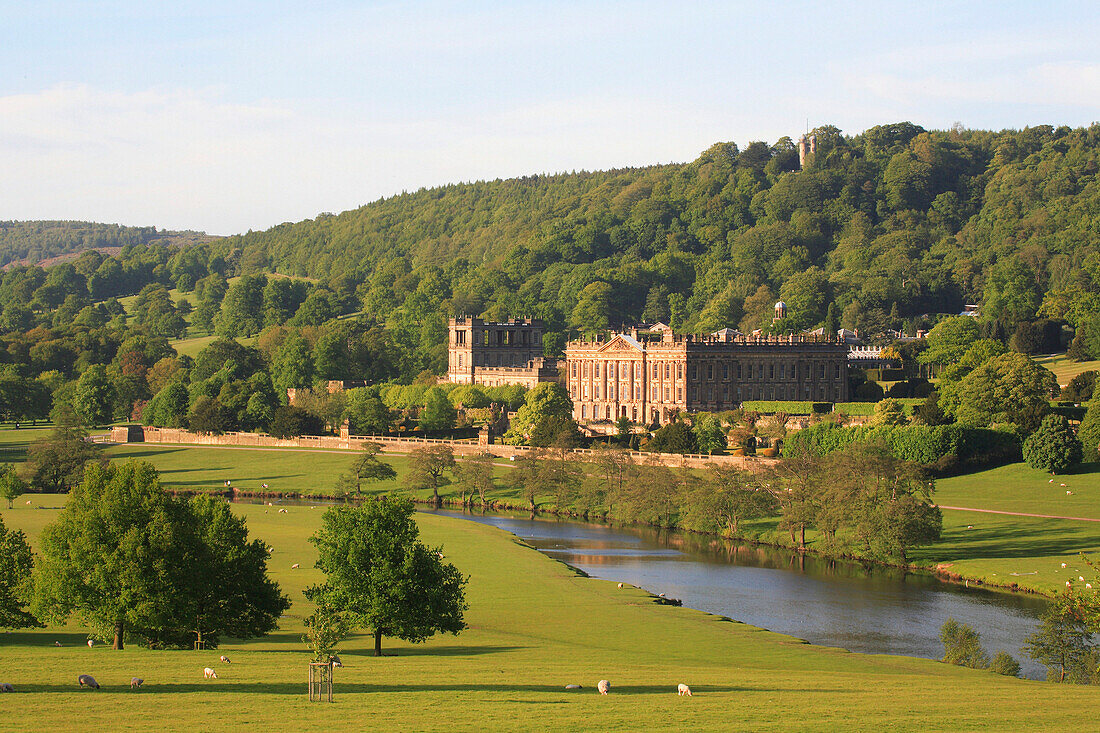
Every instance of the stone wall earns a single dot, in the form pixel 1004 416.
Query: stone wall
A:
pixel 402 445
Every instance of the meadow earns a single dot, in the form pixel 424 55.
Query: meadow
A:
pixel 534 626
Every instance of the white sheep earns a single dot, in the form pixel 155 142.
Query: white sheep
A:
pixel 225 659
pixel 620 585
pixel 209 673
pixel 57 643
pixel 603 686
pixel 572 687
pixel 294 566
pixel 136 682
pixel 86 680
pixel 682 690
pixel 6 687
pixel 1063 564
pixel 91 643
pixel 283 511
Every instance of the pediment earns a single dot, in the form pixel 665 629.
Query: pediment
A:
pixel 622 344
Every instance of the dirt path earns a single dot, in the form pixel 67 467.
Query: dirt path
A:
pixel 1019 514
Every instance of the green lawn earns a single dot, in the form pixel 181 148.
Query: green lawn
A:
pixel 1064 368
pixel 535 626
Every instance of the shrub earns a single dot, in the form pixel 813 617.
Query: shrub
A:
pixel 1088 432
pixel 1006 664
pixel 1053 447
pixel 962 645
pixel 791 407
pixel 290 422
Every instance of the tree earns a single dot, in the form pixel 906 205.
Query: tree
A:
pixel 94 396
pixel 962 645
pixel 383 577
pixel 325 629
pixel 593 309
pixel 290 422
pixel 12 486
pixel 292 364
pixel 1088 432
pixel 15 579
pixel 367 467
pixel 675 437
pixel 559 431
pixel 725 498
pixel 1080 388
pixel 57 460
pixel 112 553
pixel 426 468
pixel 226 589
pixel 1053 447
pixel 949 340
pixel 929 412
pixel 889 412
pixel 365 412
pixel 438 412
pixel 1004 663
pixel 708 433
pixel 474 474
pixel 543 400
pixel 208 415
pixel 1064 636
pixel 168 408
pixel 1010 388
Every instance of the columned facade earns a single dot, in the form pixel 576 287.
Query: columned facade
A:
pixel 650 381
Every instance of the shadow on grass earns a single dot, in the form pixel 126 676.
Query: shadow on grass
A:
pixel 431 651
pixel 225 687
pixel 134 451
pixel 1039 538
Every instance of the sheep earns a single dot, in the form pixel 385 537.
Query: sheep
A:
pixel 1063 564
pixel 57 643
pixel 970 526
pixel 682 690
pixel 620 585
pixel 136 682
pixel 28 501
pixel 86 680
pixel 283 511
pixel 1081 577
pixel 603 686
pixel 572 687
pixel 1088 585
pixel 225 659
pixel 208 673
pixel 6 687
pixel 91 643
pixel 294 566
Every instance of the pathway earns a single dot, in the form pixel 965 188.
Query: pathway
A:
pixel 1019 514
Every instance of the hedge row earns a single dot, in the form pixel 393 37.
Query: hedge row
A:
pixel 943 448
pixel 791 407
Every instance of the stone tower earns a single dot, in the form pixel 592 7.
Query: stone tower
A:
pixel 807 147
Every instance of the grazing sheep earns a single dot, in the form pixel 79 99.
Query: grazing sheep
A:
pixel 970 526
pixel 28 501
pixel 225 659
pixel 1068 584
pixel 294 566
pixel 620 585
pixel 603 686
pixel 1063 564
pixel 682 690
pixel 86 680
pixel 572 687
pixel 209 674
pixel 57 643
pixel 1088 585
pixel 6 687
pixel 1080 577
pixel 91 643
pixel 1069 492
pixel 136 682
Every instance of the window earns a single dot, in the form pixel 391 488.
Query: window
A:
pixel 823 370
pixel 679 394
pixel 782 371
pixel 710 394
pixel 584 411
pixel 607 412
pixel 654 371
pixel 597 370
pixel 460 361
pixel 666 371
pixel 654 393
pixel 771 371
pixel 573 369
pixel 666 394
pixel 710 371
pixel 725 370
pixel 739 377
pixel 692 372
pixel 837 375
pixel 725 392
pixel 611 370
pixel 679 371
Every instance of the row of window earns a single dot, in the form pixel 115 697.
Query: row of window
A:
pixel 723 394
pixel 738 370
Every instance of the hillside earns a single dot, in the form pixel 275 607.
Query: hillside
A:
pixel 886 225
pixel 49 242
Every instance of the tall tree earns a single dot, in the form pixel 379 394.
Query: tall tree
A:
pixel 379 573
pixel 367 466
pixel 15 579
pixel 474 475
pixel 57 460
pixel 427 467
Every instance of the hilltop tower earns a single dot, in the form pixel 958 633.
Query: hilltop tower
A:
pixel 807 147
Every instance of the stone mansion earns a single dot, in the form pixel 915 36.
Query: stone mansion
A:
pixel 650 377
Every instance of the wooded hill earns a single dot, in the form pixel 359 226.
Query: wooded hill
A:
pixel 887 225
pixel 45 242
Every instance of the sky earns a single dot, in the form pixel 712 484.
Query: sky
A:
pixel 228 116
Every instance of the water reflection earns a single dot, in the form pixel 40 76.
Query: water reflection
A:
pixel 861 607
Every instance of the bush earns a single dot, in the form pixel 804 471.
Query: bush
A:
pixel 290 422
pixel 962 645
pixel 868 392
pixel 1053 447
pixel 1006 664
pixel 1088 432
pixel 791 407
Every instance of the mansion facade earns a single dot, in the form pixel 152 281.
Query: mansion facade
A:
pixel 494 354
pixel 652 380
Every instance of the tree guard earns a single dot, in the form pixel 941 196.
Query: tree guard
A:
pixel 320 681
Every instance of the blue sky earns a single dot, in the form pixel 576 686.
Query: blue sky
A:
pixel 226 116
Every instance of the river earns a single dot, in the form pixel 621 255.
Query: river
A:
pixel 860 607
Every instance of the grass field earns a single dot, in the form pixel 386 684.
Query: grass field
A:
pixel 1064 368
pixel 535 626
